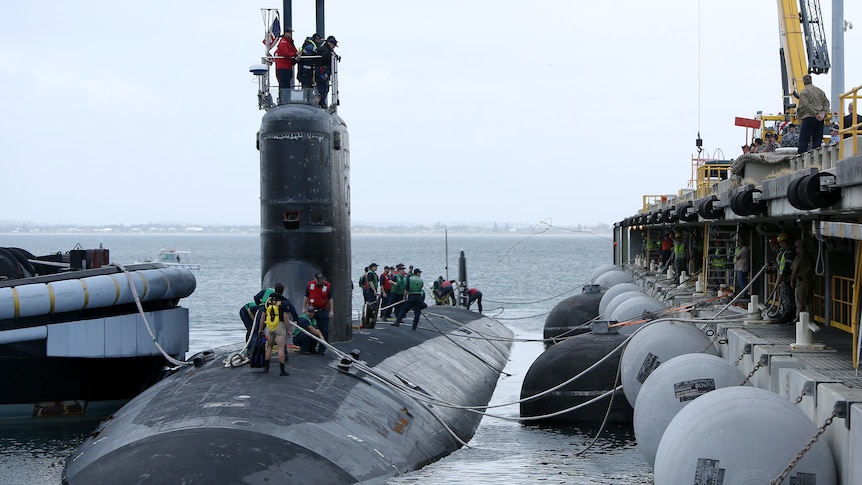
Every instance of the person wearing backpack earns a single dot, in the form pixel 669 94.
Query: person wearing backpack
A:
pixel 274 324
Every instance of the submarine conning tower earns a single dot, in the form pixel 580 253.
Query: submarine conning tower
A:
pixel 305 195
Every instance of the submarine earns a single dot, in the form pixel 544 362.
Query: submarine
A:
pixel 381 402
pixel 394 401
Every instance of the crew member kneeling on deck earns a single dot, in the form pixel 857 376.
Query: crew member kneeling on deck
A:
pixel 415 298
pixel 302 340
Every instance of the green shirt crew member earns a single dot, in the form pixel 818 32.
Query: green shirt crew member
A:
pixel 415 299
pixel 301 339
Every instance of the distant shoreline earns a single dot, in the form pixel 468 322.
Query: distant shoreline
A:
pixel 161 230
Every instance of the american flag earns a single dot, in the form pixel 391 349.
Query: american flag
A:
pixel 272 34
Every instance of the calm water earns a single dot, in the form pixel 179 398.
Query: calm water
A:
pixel 521 277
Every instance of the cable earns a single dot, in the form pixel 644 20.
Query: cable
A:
pixel 167 356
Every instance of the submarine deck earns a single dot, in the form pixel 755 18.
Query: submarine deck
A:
pixel 401 410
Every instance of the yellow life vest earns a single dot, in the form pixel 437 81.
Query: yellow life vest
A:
pixel 273 313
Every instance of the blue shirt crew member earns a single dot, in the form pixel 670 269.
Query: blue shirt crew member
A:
pixel 302 340
pixel 318 295
pixel 415 299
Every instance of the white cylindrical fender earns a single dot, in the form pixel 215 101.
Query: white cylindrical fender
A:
pixel 672 386
pixel 633 308
pixel 654 345
pixel 611 278
pixel 746 435
pixel 613 292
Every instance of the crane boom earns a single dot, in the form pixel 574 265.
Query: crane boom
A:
pixel 803 45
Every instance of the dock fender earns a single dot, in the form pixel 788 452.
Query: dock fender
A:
pixel 669 215
pixel 811 192
pixel 654 217
pixel 686 212
pixel 743 203
pixel 706 208
pixel 793 195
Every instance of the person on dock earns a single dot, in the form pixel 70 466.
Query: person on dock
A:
pixel 318 295
pixel 770 144
pixel 850 119
pixel 719 263
pixel 741 265
pixel 305 75
pixel 666 249
pixel 790 138
pixel 802 280
pixel 274 324
pixel 833 135
pixel 812 109
pixel 302 340
pixel 784 260
pixel 415 296
pixel 757 146
pixel 474 295
pixel 680 259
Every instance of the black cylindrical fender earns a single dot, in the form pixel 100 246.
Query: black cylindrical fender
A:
pixel 686 212
pixel 669 215
pixel 706 208
pixel 793 195
pixel 809 191
pixel 743 204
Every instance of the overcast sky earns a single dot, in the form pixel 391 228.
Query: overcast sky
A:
pixel 568 111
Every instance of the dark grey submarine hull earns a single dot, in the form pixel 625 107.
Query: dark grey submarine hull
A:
pixel 320 424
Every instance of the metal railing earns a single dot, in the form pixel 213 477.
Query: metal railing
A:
pixel 850 144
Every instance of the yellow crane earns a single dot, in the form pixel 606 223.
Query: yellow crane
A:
pixel 803 47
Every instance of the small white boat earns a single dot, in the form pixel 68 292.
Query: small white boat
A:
pixel 177 259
